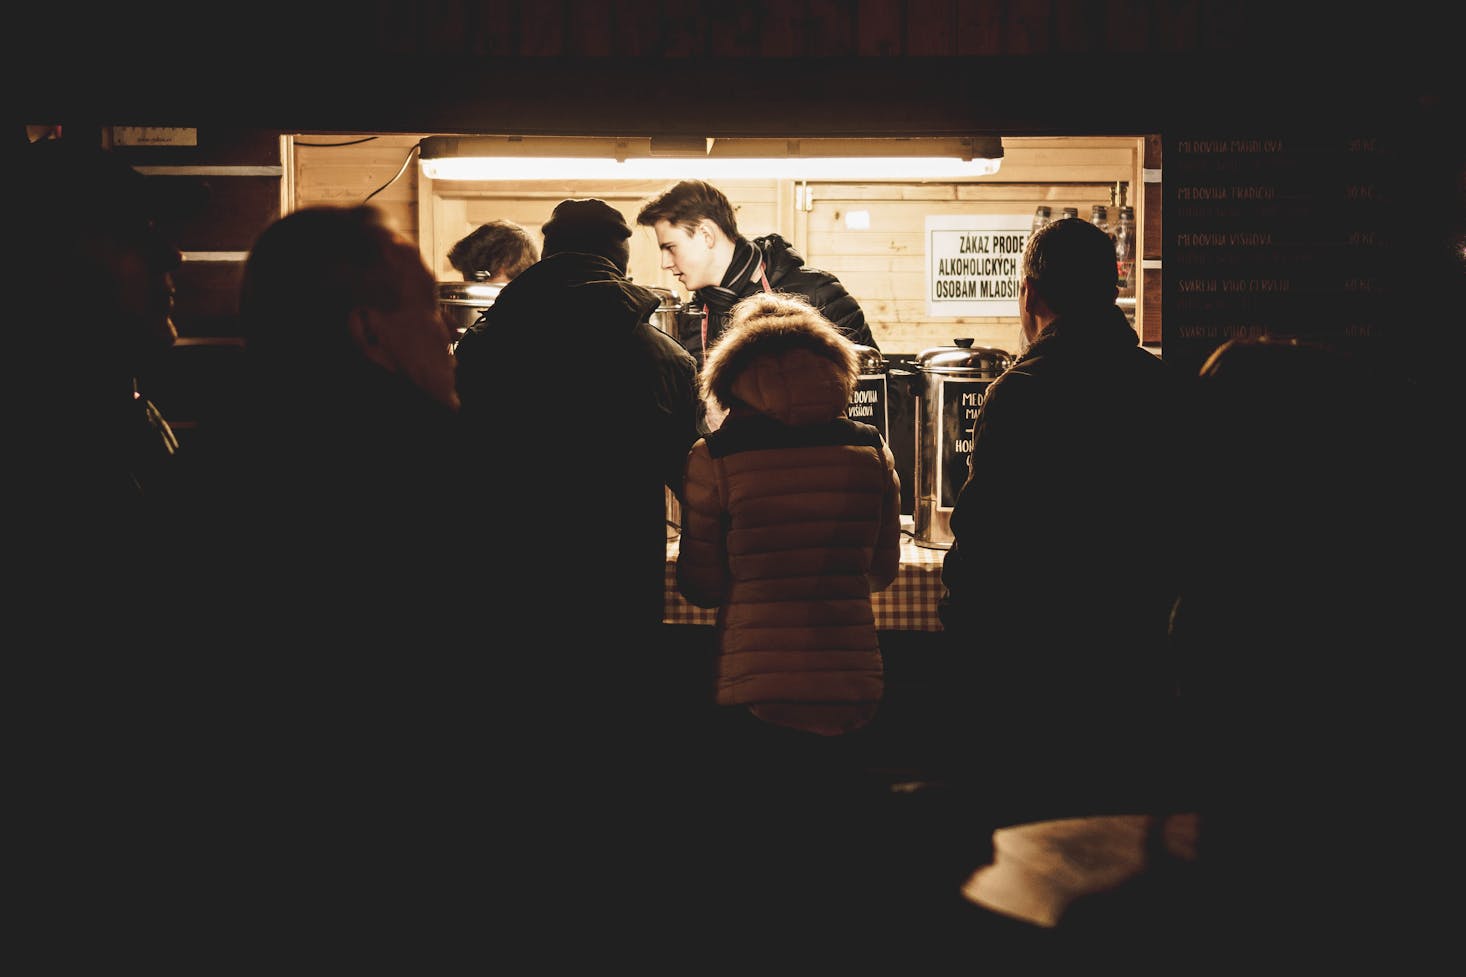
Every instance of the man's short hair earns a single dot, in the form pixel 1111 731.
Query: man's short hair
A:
pixel 495 246
pixel 686 203
pixel 1070 263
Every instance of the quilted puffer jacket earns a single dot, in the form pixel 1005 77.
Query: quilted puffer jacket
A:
pixel 790 520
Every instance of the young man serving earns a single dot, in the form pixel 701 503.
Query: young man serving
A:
pixel 698 236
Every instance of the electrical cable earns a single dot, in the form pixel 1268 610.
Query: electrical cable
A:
pixel 333 145
pixel 417 147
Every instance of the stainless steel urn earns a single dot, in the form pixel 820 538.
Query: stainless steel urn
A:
pixel 951 382
pixel 870 400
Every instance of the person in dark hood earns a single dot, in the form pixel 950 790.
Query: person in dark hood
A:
pixel 698 236
pixel 578 413
pixel 790 480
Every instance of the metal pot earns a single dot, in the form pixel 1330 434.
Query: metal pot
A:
pixel 463 303
pixel 664 316
pixel 950 386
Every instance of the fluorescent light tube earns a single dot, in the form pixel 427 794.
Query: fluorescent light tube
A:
pixel 806 168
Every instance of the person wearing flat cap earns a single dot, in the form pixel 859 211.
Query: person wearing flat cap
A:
pixel 577 413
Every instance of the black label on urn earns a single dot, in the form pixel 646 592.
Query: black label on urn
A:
pixel 868 402
pixel 957 402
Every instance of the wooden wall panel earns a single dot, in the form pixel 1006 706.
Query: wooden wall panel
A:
pixel 884 267
pixel 345 170
pixel 450 30
pixel 1126 26
pixel 235 177
pixel 780 28
pixel 1174 26
pixel 979 28
pixel 1222 26
pixel 1152 244
pixel 398 25
pixel 542 30
pixel 1028 28
pixel 684 31
pixel 636 28
pixel 588 29
pixel 221 145
pixel 495 26
pixel 458 207
pixel 879 29
pixel 212 309
pixel 929 28
pixel 825 28
pixel 1151 285
pixel 1080 28
pixel 735 31
pixel 237 210
pixel 829 31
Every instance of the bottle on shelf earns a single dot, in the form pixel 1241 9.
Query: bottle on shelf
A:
pixel 1099 216
pixel 1041 216
pixel 1125 252
pixel 1069 212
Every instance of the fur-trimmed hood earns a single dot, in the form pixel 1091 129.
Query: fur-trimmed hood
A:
pixel 782 361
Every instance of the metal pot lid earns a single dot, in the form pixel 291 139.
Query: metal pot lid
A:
pixel 468 293
pixel 669 298
pixel 871 360
pixel 964 359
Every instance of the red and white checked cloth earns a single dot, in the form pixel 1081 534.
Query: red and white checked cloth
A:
pixel 909 604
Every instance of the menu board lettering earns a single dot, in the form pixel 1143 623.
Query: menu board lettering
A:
pixel 1277 234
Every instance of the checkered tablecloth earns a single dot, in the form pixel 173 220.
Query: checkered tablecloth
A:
pixel 909 604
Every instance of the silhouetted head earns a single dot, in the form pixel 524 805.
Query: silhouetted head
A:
pixel 93 241
pixel 326 288
pixel 591 226
pixel 1070 264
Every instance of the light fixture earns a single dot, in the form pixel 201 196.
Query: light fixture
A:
pixel 678 157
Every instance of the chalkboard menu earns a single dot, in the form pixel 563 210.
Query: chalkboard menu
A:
pixel 1281 234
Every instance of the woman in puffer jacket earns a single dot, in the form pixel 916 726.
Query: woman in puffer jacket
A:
pixel 790 521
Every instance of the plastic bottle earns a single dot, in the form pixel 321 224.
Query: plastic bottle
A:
pixel 1125 252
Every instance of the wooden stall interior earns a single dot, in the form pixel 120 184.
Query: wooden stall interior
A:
pixel 868 233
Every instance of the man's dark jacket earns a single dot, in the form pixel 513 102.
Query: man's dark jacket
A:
pixel 577 413
pixel 770 257
pixel 1061 577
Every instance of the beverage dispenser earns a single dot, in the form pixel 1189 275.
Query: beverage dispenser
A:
pixel 951 382
pixel 870 400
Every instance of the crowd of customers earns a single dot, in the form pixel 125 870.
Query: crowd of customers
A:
pixel 330 638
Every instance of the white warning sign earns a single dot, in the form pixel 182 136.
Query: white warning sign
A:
pixel 974 264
